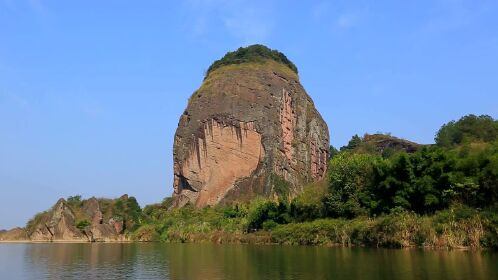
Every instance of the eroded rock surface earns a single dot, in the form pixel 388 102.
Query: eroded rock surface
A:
pixel 99 231
pixel 210 167
pixel 247 125
pixel 59 225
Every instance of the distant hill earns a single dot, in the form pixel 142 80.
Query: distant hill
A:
pixel 382 144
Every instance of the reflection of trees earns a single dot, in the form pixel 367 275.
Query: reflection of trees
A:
pixel 207 261
pixel 92 261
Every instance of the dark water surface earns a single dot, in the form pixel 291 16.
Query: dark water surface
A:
pixel 206 261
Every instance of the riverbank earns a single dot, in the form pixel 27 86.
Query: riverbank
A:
pixel 455 228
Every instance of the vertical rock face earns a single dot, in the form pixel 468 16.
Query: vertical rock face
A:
pixel 225 153
pixel 251 129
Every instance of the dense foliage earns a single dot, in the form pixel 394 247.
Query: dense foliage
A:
pixel 253 53
pixel 470 128
pixel 430 179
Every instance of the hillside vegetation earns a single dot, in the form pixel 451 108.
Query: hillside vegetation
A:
pixel 398 194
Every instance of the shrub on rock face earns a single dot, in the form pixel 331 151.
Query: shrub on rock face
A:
pixel 81 225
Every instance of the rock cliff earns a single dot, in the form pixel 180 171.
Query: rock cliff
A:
pixel 250 129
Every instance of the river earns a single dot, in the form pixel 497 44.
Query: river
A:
pixel 207 261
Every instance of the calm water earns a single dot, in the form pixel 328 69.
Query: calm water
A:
pixel 196 261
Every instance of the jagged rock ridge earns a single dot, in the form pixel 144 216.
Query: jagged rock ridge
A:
pixel 91 220
pixel 251 129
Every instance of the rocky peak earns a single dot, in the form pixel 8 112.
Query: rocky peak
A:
pixel 251 129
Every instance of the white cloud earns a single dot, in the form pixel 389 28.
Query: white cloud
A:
pixel 15 100
pixel 38 7
pixel 248 26
pixel 248 21
pixel 320 10
pixel 347 21
pixel 449 16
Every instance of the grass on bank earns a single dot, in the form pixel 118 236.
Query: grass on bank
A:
pixel 261 222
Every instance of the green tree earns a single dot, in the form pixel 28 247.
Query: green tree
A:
pixel 469 128
pixel 81 225
pixel 253 53
pixel 264 211
pixel 333 152
pixel 74 201
pixel 353 144
pixel 349 177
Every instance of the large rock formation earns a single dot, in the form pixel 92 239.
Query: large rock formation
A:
pixel 251 129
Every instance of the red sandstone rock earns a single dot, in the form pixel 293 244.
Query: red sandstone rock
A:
pixel 246 124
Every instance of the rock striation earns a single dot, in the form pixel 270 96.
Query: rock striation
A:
pixel 249 130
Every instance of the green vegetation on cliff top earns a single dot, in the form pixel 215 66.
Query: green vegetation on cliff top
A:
pixel 253 53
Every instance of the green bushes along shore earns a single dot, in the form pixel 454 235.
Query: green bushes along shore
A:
pixel 379 191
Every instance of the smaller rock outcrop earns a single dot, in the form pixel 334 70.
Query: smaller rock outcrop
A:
pixel 76 220
pixel 16 234
pixel 99 231
pixel 382 144
pixel 58 225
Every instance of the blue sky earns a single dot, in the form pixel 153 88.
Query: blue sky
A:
pixel 91 91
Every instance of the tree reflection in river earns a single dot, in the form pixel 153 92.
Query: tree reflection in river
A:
pixel 207 261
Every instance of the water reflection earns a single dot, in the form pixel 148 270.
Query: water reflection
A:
pixel 206 261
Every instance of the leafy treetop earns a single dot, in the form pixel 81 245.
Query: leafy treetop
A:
pixel 253 53
pixel 470 128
